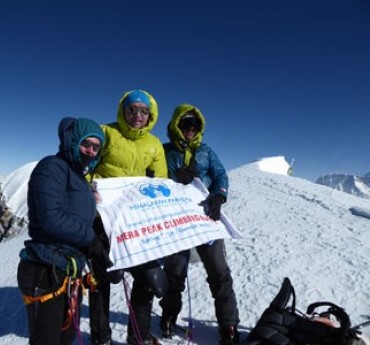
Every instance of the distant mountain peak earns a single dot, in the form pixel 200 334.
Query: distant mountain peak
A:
pixel 351 184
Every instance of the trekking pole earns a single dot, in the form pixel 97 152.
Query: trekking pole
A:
pixel 190 328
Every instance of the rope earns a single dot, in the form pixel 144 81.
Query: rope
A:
pixel 72 313
pixel 133 320
pixel 74 284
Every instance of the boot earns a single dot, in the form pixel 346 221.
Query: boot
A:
pixel 167 326
pixel 229 335
pixel 150 340
pixel 98 342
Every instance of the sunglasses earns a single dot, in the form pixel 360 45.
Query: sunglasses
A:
pixel 86 143
pixel 136 110
pixel 189 123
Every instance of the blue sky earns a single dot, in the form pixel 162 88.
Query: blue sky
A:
pixel 285 77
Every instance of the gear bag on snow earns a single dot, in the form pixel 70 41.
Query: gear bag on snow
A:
pixel 281 324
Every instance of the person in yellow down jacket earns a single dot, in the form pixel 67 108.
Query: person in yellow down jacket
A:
pixel 130 150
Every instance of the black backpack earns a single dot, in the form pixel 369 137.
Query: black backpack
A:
pixel 281 324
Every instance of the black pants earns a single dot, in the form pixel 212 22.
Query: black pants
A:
pixel 99 299
pixel 218 277
pixel 45 320
pixel 141 300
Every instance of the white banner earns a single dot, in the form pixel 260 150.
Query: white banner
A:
pixel 149 218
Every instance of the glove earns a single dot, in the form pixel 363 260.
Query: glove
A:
pixel 149 172
pixel 156 280
pixel 96 251
pixel 212 206
pixel 116 276
pixel 151 276
pixel 185 175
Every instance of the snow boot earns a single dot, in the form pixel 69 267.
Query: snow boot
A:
pixel 98 342
pixel 150 340
pixel 167 325
pixel 229 335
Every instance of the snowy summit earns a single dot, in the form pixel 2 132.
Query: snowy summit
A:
pixel 291 228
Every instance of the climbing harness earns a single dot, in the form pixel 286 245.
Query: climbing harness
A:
pixel 43 298
pixel 71 284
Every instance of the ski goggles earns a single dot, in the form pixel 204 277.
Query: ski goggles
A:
pixel 189 123
pixel 87 143
pixel 132 110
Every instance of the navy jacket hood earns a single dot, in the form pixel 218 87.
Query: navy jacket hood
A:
pixel 71 133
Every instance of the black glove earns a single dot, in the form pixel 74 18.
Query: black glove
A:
pixel 149 172
pixel 212 206
pixel 96 251
pixel 157 281
pixel 116 276
pixel 152 277
pixel 185 175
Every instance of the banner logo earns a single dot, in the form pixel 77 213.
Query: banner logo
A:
pixel 153 190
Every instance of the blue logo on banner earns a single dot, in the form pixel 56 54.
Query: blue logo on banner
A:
pixel 155 190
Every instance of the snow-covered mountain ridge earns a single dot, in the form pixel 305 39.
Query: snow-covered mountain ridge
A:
pixel 352 184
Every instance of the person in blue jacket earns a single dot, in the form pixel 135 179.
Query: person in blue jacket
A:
pixel 61 210
pixel 187 157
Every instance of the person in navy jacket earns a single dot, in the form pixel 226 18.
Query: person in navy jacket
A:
pixel 61 210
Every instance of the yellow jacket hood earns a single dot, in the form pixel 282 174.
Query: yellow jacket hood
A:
pixel 129 151
pixel 134 133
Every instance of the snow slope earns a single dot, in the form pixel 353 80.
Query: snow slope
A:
pixel 291 227
pixel 15 189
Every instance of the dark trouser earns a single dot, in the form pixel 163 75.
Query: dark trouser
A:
pixel 141 304
pixel 45 320
pixel 218 277
pixel 99 299
pixel 99 312
pixel 147 282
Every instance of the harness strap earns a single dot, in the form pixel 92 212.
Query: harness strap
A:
pixel 43 298
pixel 91 281
pixel 69 280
